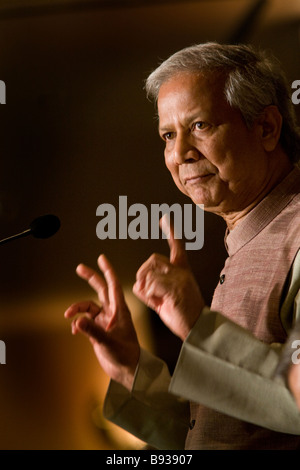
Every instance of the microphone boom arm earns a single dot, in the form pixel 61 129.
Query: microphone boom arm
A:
pixel 18 235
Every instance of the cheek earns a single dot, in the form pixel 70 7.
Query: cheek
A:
pixel 228 158
pixel 217 149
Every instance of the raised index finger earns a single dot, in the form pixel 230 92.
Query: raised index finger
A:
pixel 178 256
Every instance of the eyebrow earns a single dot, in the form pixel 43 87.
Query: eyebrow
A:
pixel 188 119
pixel 163 129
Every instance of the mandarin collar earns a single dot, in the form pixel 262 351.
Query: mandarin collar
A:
pixel 264 212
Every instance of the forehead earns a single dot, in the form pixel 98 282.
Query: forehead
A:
pixel 191 92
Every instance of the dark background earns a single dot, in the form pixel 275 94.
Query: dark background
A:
pixel 77 131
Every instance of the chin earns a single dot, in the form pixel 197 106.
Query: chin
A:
pixel 200 198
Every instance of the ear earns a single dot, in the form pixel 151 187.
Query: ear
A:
pixel 270 124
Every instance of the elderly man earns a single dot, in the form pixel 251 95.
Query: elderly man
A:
pixel 231 143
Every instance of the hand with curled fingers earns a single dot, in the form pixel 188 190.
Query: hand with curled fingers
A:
pixel 168 286
pixel 108 325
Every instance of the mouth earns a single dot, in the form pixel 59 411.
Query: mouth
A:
pixel 197 179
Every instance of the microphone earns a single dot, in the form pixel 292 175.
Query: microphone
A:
pixel 42 227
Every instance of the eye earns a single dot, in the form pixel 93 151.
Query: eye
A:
pixel 199 125
pixel 168 136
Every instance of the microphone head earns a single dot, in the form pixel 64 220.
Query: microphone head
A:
pixel 45 226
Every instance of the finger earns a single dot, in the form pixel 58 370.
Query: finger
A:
pixel 95 281
pixel 89 328
pixel 178 254
pixel 155 262
pixel 89 307
pixel 155 284
pixel 115 293
pixel 154 290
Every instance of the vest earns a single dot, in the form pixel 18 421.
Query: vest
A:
pixel 250 293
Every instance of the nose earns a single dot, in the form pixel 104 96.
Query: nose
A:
pixel 184 151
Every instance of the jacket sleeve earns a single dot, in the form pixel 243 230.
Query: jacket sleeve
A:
pixel 149 411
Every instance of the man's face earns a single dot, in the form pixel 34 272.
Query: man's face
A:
pixel 212 155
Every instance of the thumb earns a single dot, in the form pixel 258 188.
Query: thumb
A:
pixel 178 256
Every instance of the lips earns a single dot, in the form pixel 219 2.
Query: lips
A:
pixel 196 179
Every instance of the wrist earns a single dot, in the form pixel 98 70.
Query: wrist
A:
pixel 189 327
pixel 129 371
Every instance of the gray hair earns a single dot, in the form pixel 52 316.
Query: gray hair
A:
pixel 253 81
